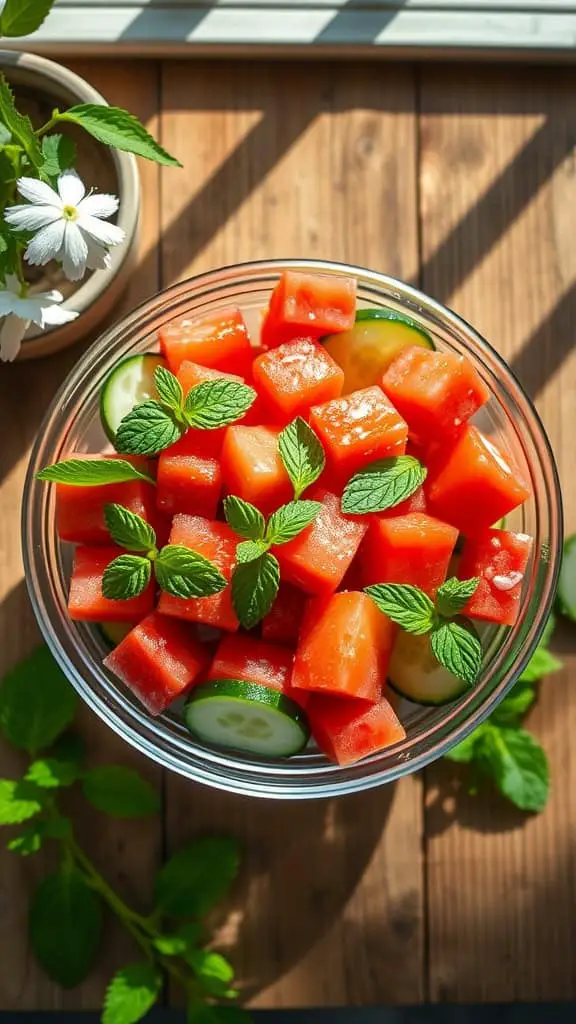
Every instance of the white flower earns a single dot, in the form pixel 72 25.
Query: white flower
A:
pixel 42 309
pixel 67 223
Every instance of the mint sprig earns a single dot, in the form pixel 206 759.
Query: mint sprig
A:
pixel 147 429
pixel 66 908
pixel 216 403
pixel 302 453
pixel 126 577
pixel 244 518
pixel 453 595
pixel 92 472
pixel 254 588
pixel 406 605
pixel 289 520
pixel 168 389
pixel 129 530
pixel 383 484
pixel 457 647
pixel 186 573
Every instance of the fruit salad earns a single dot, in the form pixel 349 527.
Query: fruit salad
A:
pixel 290 534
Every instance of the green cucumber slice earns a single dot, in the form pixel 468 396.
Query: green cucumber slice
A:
pixel 367 349
pixel 246 716
pixel 566 597
pixel 114 632
pixel 416 675
pixel 130 382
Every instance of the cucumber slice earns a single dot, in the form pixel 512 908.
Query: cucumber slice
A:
pixel 246 716
pixel 416 675
pixel 129 383
pixel 366 351
pixel 566 597
pixel 114 632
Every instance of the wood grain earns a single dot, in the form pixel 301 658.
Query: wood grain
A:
pixel 126 852
pixel 280 160
pixel 498 229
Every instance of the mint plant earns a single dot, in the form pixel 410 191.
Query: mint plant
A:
pixel 65 917
pixel 46 212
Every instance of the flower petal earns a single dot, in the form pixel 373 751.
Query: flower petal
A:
pixel 101 204
pixel 104 234
pixel 55 316
pixel 98 257
pixel 46 245
pixel 74 252
pixel 11 333
pixel 30 217
pixel 71 188
pixel 38 192
pixel 8 302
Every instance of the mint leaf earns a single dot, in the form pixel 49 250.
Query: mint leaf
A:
pixel 518 765
pixel 129 530
pixel 215 403
pixel 289 520
pixel 120 792
pixel 197 877
pixel 169 388
pixel 17 124
pixel 65 925
pixel 170 945
pixel 542 663
pixel 132 992
pixel 454 594
pixel 22 17
pixel 406 605
pixel 213 971
pixel 248 550
pixel 117 128
pixel 244 518
pixel 147 430
pixel 457 647
pixel 465 752
pixel 254 588
pixel 37 702
pixel 51 773
pixel 515 705
pixel 19 801
pixel 383 484
pixel 91 472
pixel 29 841
pixel 126 577
pixel 59 154
pixel 186 573
pixel 302 453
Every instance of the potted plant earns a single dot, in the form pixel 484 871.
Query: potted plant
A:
pixel 69 196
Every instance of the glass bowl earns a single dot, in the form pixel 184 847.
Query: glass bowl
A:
pixel 73 424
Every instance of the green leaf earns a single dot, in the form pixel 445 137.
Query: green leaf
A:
pixel 18 125
pixel 126 577
pixel 465 752
pixel 454 594
pixel 215 403
pixel 542 663
pixel 23 17
pixel 170 945
pixel 65 925
pixel 518 766
pixel 117 128
pixel 51 773
pixel 59 154
pixel 213 971
pixel 37 703
pixel 457 647
pixel 302 453
pixel 515 705
pixel 383 484
pixel 19 801
pixel 169 388
pixel 58 828
pixel 29 841
pixel 406 605
pixel 254 588
pixel 120 792
pixel 289 520
pixel 197 877
pixel 132 992
pixel 244 518
pixel 192 932
pixel 186 573
pixel 91 472
pixel 248 550
pixel 147 430
pixel 129 530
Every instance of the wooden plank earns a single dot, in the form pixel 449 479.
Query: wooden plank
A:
pixel 279 161
pixel 396 28
pixel 127 852
pixel 498 230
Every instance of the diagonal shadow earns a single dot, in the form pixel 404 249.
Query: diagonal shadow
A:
pixel 357 26
pixel 161 24
pixel 550 344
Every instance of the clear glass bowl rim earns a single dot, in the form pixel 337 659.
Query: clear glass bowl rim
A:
pixel 216 769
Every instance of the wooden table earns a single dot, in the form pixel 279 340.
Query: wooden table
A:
pixel 462 180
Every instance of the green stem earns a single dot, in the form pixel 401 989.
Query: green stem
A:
pixel 49 124
pixel 20 275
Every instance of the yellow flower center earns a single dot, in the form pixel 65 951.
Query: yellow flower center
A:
pixel 70 213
